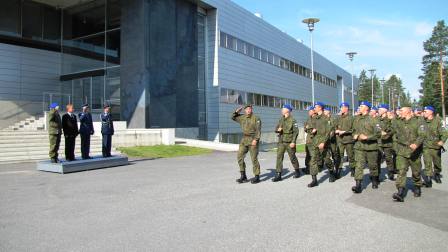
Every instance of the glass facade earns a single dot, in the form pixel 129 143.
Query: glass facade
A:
pixel 202 120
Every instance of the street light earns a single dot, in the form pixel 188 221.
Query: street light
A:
pixel 350 57
pixel 372 72
pixel 310 22
pixel 382 90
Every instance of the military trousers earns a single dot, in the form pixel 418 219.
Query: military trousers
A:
pixel 308 148
pixel 403 165
pixel 85 145
pixel 55 141
pixel 363 158
pixel 253 150
pixel 281 149
pixel 332 156
pixel 432 159
pixel 107 145
pixel 317 156
pixel 350 154
pixel 389 156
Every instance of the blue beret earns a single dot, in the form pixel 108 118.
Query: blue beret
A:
pixel 417 109
pixel 365 103
pixel 374 108
pixel 54 105
pixel 287 106
pixel 344 104
pixel 319 104
pixel 383 106
pixel 311 108
pixel 430 108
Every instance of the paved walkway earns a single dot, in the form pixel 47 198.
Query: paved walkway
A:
pixel 193 203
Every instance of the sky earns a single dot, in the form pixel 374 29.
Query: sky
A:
pixel 387 35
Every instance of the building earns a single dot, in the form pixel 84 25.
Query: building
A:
pixel 180 64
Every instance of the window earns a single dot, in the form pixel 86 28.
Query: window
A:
pixel 240 46
pixel 257 100
pixel 223 97
pixel 51 24
pixel 250 50
pixel 264 55
pixel 270 58
pixel 257 53
pixel 113 14
pixel 222 39
pixel 10 17
pixel 32 20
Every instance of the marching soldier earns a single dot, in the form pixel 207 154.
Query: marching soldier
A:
pixel 107 130
pixel 320 128
pixel 373 112
pixel 54 131
pixel 332 159
pixel 70 127
pixel 386 141
pixel 366 133
pixel 85 130
pixel 410 135
pixel 435 138
pixel 288 130
pixel 251 127
pixel 344 130
pixel 309 138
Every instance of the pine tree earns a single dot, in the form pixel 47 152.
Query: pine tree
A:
pixel 431 90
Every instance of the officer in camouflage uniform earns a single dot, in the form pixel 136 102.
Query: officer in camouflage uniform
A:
pixel 320 129
pixel 410 134
pixel 435 138
pixel 386 141
pixel 366 132
pixel 344 128
pixel 287 130
pixel 332 158
pixel 251 127
pixel 309 138
pixel 54 131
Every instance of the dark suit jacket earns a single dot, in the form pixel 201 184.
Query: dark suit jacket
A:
pixel 70 125
pixel 86 127
pixel 107 125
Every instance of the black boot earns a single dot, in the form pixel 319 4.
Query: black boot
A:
pixel 399 196
pixel 332 178
pixel 307 170
pixel 375 182
pixel 391 176
pixel 417 191
pixel 54 160
pixel 243 178
pixel 278 177
pixel 313 182
pixel 358 187
pixel 337 174
pixel 255 180
pixel 352 172
pixel 427 181
pixel 297 173
pixel 437 178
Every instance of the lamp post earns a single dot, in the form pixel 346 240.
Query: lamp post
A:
pixel 350 57
pixel 310 22
pixel 372 72
pixel 382 90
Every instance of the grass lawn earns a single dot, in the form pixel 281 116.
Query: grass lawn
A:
pixel 163 151
pixel 299 148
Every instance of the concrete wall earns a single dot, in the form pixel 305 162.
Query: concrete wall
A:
pixel 159 63
pixel 25 73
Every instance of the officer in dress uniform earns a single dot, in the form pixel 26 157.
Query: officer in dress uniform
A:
pixel 107 130
pixel 86 130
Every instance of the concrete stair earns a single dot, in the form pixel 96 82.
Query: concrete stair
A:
pixel 31 123
pixel 32 145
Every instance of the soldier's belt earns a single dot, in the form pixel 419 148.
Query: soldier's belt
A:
pixel 249 135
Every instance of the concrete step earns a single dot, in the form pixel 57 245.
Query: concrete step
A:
pixel 11 160
pixel 43 149
pixel 37 144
